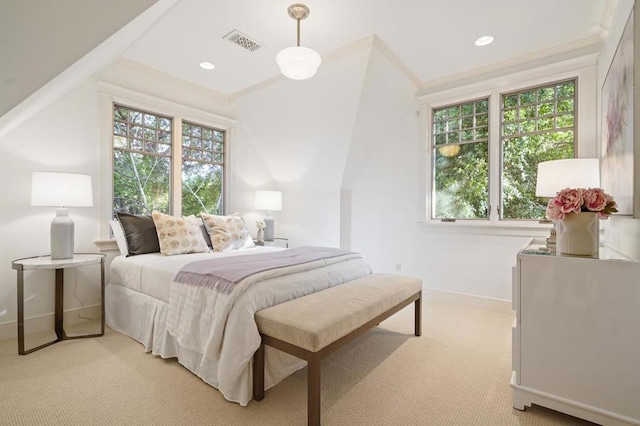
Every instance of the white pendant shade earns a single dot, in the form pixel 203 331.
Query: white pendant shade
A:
pixel 298 63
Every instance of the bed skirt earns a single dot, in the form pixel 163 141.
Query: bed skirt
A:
pixel 144 318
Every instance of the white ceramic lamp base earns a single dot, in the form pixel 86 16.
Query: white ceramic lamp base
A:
pixel 62 235
pixel 269 228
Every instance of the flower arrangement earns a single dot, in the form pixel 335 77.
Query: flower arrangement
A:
pixel 576 200
pixel 260 224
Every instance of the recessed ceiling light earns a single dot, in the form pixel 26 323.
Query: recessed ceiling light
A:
pixel 483 41
pixel 207 65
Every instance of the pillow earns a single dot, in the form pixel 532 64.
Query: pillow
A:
pixel 140 233
pixel 227 232
pixel 178 235
pixel 118 234
pixel 200 224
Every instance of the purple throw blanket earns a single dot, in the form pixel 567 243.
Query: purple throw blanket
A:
pixel 223 274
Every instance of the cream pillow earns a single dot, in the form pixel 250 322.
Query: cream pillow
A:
pixel 227 232
pixel 178 235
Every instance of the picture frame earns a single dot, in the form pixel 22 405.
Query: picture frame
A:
pixel 620 123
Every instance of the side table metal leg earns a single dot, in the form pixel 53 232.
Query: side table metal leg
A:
pixel 21 312
pixel 59 304
pixel 102 314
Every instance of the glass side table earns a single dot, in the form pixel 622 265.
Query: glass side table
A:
pixel 277 242
pixel 45 262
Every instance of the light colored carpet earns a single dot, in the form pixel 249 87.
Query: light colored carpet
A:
pixel 457 373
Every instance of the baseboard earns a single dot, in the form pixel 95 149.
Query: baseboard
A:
pixel 42 323
pixel 468 300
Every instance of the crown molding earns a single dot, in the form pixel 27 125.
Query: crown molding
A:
pixel 607 18
pixel 580 48
pixel 136 66
pixel 123 94
pixel 396 61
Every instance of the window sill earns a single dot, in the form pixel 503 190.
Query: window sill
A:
pixel 106 245
pixel 507 228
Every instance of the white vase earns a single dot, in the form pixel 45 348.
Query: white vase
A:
pixel 260 236
pixel 578 235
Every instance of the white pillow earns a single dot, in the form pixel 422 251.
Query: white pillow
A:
pixel 118 234
pixel 227 232
pixel 197 221
pixel 177 235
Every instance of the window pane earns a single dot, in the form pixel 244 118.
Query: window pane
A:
pixel 141 166
pixel 461 174
pixel 201 188
pixel 544 133
pixel 202 170
pixel 141 183
pixel 462 181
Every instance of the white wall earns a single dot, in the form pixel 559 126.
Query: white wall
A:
pixel 346 149
pixel 385 183
pixel 301 132
pixel 65 137
pixel 622 232
pixel 62 137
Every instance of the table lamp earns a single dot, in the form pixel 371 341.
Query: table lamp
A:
pixel 269 201
pixel 61 190
pixel 556 175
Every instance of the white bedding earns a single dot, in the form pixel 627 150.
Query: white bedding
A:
pixel 218 342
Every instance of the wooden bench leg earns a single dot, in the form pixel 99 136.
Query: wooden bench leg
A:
pixel 258 374
pixel 313 389
pixel 418 312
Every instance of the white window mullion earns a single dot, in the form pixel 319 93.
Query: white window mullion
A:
pixel 176 168
pixel 495 161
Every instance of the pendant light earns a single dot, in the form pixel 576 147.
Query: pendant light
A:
pixel 298 63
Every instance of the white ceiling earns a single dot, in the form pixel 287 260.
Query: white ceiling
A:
pixel 434 39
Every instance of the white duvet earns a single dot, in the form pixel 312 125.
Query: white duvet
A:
pixel 220 328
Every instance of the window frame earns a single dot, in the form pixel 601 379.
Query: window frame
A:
pixel 582 69
pixel 109 95
pixel 576 135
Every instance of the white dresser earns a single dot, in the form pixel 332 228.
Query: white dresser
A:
pixel 576 336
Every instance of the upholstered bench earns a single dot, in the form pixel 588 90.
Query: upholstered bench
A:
pixel 313 326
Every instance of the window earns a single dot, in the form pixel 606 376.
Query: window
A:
pixel 202 169
pixel 143 155
pixel 535 124
pixel 461 160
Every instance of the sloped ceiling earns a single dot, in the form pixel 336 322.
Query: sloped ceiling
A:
pixel 432 42
pixel 40 39
pixel 434 39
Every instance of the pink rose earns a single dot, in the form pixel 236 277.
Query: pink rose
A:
pixel 569 200
pixel 553 211
pixel 595 199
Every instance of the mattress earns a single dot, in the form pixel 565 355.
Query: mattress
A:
pixel 153 273
pixel 142 302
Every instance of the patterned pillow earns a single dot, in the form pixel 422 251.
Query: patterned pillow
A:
pixel 177 235
pixel 227 232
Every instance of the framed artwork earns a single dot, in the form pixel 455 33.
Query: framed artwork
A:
pixel 619 174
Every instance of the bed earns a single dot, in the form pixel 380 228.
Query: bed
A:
pixel 142 301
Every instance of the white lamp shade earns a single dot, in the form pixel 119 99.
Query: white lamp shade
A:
pixel 556 175
pixel 298 63
pixel 268 200
pixel 61 190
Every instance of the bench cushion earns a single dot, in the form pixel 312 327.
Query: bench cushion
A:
pixel 317 320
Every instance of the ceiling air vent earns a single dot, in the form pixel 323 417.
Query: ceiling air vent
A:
pixel 236 37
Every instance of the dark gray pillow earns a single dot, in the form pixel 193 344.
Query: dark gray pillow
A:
pixel 140 233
